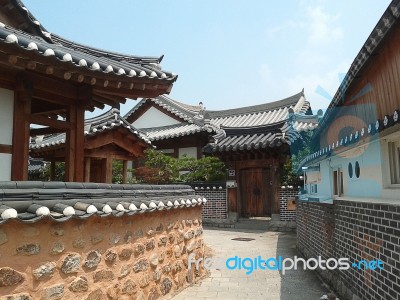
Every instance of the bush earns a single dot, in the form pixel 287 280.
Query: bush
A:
pixel 160 169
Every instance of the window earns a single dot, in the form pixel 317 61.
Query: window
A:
pixel 357 169
pixel 313 188
pixel 350 170
pixel 394 161
pixel 337 182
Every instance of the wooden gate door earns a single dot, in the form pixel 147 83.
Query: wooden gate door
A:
pixel 255 192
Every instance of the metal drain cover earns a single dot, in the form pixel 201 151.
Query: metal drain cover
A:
pixel 243 239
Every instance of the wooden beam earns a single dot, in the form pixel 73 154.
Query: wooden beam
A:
pixel 106 100
pixel 134 93
pixel 8 149
pixel 45 131
pixel 22 110
pixel 44 121
pixel 117 138
pixel 43 106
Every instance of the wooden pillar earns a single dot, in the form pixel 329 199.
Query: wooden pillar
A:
pixel 87 169
pixel 20 148
pixel 70 144
pixel 74 145
pixel 124 171
pixel 52 171
pixel 79 144
pixel 108 169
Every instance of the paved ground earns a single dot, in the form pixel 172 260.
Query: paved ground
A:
pixel 261 284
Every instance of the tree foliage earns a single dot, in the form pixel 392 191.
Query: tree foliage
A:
pixel 160 168
pixel 290 173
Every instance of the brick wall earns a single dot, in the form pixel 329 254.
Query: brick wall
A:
pixel 358 231
pixel 216 195
pixel 284 194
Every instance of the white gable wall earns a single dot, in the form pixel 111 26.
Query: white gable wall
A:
pixel 189 152
pixel 6 131
pixel 154 118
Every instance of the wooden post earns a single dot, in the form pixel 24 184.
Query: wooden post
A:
pixel 20 148
pixel 87 169
pixel 124 171
pixel 108 169
pixel 79 144
pixel 74 145
pixel 70 144
pixel 52 170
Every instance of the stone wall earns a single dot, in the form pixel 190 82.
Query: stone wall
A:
pixel 286 193
pixel 358 231
pixel 131 257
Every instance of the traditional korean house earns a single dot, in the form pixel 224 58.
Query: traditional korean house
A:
pixel 108 137
pixel 50 81
pixel 351 204
pixel 253 141
pixel 175 128
pixel 82 240
pixel 356 147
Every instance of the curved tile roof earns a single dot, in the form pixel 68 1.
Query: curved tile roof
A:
pixel 181 110
pixel 386 23
pixel 89 59
pixel 241 128
pixel 93 126
pixel 30 202
pixel 172 131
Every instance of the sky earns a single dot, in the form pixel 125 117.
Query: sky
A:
pixel 227 53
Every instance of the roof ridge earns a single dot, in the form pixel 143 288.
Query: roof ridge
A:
pixel 123 56
pixel 257 108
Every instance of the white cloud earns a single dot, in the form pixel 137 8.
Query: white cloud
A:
pixel 322 27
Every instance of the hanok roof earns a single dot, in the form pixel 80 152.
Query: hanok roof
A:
pixel 26 39
pixel 180 110
pixel 30 202
pixel 262 126
pixel 251 127
pixel 378 34
pixel 110 120
pixel 172 131
pixel 386 24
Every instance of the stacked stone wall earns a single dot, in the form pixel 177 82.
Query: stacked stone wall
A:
pixel 131 257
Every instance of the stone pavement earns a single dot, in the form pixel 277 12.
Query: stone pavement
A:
pixel 261 284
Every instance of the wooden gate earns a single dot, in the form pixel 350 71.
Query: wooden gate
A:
pixel 255 192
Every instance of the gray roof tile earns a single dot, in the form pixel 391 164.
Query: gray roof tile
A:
pixel 251 119
pixel 44 43
pixel 93 126
pixel 22 202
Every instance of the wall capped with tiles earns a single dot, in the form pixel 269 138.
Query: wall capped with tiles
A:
pixel 131 257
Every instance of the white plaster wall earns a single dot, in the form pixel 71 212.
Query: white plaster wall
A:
pixel 5 167
pixel 369 184
pixel 6 131
pixel 6 116
pixel 190 152
pixel 154 118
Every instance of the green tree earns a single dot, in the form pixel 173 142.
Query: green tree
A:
pixel 160 168
pixel 290 173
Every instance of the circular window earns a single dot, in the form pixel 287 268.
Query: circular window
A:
pixel 357 169
pixel 350 170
